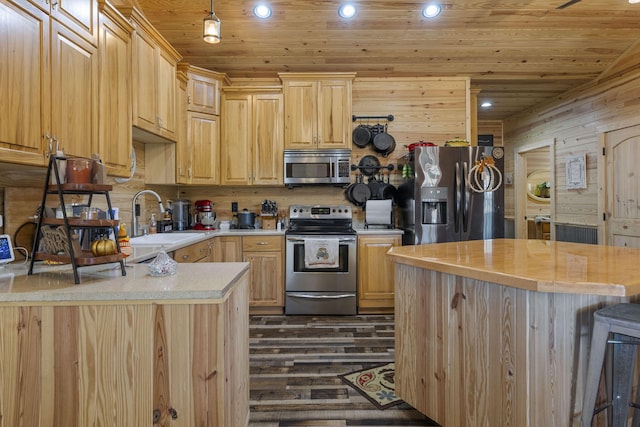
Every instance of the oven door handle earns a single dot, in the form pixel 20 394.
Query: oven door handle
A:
pixel 295 239
pixel 340 296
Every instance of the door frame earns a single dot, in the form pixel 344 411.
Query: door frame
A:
pixel 520 182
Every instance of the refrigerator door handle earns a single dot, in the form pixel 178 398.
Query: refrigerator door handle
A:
pixel 457 201
pixel 465 198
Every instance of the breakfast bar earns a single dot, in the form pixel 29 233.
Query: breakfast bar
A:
pixel 127 350
pixel 497 332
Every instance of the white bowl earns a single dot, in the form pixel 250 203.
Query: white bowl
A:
pixel 225 226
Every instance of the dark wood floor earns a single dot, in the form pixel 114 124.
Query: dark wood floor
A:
pixel 295 363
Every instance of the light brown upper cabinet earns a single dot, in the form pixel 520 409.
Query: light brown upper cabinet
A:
pixel 317 108
pixel 53 74
pixel 114 137
pixel 252 136
pixel 154 82
pixel 198 148
pixel 80 16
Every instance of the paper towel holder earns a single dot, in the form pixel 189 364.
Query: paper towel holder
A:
pixel 389 225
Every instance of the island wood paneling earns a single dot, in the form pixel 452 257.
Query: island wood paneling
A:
pixel 95 364
pixel 474 353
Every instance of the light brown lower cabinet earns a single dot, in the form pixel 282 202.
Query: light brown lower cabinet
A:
pixel 266 283
pixel 174 363
pixel 375 273
pixel 227 249
pixel 198 252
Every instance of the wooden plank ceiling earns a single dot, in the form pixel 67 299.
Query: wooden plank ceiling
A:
pixel 519 53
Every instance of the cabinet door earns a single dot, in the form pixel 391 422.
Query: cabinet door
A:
pixel 265 282
pixel 375 273
pixel 114 140
pixel 144 81
pixel 24 34
pixel 204 94
pixel 334 114
pixel 166 87
pixel 235 151
pixel 81 16
pixel 227 249
pixel 268 142
pixel 301 125
pixel 74 83
pixel 203 135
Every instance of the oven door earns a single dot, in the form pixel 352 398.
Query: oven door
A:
pixel 339 279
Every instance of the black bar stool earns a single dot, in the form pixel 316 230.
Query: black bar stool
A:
pixel 623 321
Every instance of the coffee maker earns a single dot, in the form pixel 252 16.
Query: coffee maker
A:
pixel 205 218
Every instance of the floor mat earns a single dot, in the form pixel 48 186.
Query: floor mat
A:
pixel 376 384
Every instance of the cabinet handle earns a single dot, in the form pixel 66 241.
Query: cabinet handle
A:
pixel 185 256
pixel 189 99
pixel 262 243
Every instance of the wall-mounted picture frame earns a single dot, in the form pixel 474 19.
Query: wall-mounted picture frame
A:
pixel 576 172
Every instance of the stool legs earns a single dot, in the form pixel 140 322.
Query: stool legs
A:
pixel 624 357
pixel 594 369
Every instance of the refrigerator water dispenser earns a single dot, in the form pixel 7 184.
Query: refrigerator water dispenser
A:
pixel 434 205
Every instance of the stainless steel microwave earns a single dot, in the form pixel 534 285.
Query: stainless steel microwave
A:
pixel 317 167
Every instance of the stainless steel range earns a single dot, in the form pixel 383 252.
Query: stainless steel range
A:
pixel 320 267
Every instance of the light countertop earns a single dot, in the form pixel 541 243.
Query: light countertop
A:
pixel 208 281
pixel 537 265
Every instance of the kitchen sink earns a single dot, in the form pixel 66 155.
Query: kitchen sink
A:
pixel 164 239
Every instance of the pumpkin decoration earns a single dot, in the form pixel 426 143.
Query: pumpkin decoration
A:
pixel 103 247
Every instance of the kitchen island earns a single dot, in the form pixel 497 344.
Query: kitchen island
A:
pixel 497 332
pixel 125 350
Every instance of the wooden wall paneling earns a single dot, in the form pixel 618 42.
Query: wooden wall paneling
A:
pixel 575 120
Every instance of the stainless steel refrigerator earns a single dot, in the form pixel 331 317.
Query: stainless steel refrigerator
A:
pixel 452 194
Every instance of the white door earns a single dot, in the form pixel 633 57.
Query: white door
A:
pixel 622 204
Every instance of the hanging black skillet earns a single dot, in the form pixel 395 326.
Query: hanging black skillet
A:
pixel 384 143
pixel 360 193
pixel 361 135
pixel 369 165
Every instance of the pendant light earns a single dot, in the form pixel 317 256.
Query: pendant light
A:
pixel 211 32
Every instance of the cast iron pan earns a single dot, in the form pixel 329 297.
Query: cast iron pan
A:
pixel 369 165
pixel 360 193
pixel 361 135
pixel 374 184
pixel 384 143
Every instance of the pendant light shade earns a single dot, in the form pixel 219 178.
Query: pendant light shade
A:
pixel 211 27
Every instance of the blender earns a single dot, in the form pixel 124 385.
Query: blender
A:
pixel 205 217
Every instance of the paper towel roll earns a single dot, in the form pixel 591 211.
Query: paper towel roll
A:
pixel 378 212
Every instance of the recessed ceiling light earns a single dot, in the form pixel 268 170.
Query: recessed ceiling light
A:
pixel 486 104
pixel 262 11
pixel 431 10
pixel 347 10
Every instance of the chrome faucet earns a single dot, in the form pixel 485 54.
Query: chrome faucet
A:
pixel 134 217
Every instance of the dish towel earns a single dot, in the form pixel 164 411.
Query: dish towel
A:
pixel 321 253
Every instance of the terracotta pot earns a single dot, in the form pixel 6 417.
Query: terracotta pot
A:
pixel 79 171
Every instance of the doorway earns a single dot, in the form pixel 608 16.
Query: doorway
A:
pixel 620 203
pixel 534 185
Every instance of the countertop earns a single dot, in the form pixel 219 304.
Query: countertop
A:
pixel 144 253
pixel 536 265
pixel 208 281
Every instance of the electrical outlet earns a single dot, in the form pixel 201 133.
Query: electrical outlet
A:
pixel 1 221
